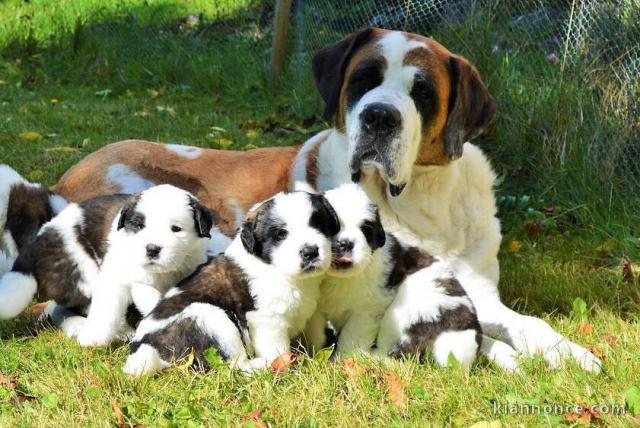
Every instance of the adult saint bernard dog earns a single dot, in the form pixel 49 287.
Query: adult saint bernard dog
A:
pixel 405 108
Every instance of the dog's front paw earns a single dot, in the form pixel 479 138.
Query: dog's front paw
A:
pixel 91 336
pixel 538 337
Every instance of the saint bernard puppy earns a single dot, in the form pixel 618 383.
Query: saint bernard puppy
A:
pixel 431 314
pixel 96 257
pixel 405 108
pixel 24 208
pixel 253 299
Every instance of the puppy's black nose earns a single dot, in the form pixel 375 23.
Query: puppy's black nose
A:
pixel 153 251
pixel 343 246
pixel 309 253
pixel 379 118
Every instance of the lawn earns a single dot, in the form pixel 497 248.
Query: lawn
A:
pixel 85 73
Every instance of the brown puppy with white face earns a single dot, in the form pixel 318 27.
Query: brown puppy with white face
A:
pixel 405 108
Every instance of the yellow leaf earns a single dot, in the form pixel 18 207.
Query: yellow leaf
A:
pixel 223 142
pixel 54 101
pixel 31 136
pixel 253 134
pixel 62 149
pixel 23 109
pixel 515 246
pixel 3 82
pixel 250 146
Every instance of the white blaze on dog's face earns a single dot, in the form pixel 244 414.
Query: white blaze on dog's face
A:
pixel 292 232
pixel 403 100
pixel 361 232
pixel 162 227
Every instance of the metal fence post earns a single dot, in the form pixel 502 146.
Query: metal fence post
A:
pixel 279 47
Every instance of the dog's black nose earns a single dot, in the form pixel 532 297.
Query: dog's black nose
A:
pixel 153 251
pixel 379 118
pixel 343 246
pixel 309 253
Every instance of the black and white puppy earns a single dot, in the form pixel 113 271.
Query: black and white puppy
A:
pixel 97 257
pixel 24 208
pixel 430 313
pixel 253 299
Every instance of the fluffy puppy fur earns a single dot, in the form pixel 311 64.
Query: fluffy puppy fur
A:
pixel 97 257
pixel 430 312
pixel 254 298
pixel 24 208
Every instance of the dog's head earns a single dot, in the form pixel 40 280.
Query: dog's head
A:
pixel 402 99
pixel 292 232
pixel 361 232
pixel 163 227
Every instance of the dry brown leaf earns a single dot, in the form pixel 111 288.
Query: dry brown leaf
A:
pixel 256 418
pixel 351 368
pixel 283 362
pixel 9 382
pixel 37 309
pixel 581 418
pixel 585 328
pixel 611 340
pixel 395 387
pixel 627 270
pixel 117 411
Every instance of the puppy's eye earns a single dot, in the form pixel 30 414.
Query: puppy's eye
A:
pixel 421 88
pixel 279 235
pixel 136 225
pixel 176 229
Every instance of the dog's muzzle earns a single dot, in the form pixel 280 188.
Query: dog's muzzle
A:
pixel 342 254
pixel 380 124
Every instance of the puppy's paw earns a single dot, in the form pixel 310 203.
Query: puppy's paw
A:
pixel 145 360
pixel 72 326
pixel 88 336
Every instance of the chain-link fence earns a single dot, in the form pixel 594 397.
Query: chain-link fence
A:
pixel 595 43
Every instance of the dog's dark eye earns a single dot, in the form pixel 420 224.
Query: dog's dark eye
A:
pixel 176 229
pixel 421 88
pixel 279 235
pixel 136 225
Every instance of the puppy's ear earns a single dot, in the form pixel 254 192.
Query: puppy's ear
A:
pixel 249 237
pixel 374 232
pixel 126 212
pixel 471 108
pixel 329 65
pixel 203 218
pixel 324 217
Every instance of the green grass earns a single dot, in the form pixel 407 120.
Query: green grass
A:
pixel 127 70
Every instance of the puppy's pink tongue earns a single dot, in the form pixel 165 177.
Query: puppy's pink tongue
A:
pixel 344 260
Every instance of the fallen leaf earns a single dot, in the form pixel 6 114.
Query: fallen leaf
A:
pixel 610 339
pixel 395 388
pixel 250 146
pixel 9 382
pixel 253 134
pixel 627 270
pixel 255 418
pixel 515 246
pixel 117 412
pixel 581 418
pixel 62 149
pixel 31 136
pixel 37 310
pixel 223 142
pixel 54 101
pixel 283 362
pixel 351 368
pixel 585 328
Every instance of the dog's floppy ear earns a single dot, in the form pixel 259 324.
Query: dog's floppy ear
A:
pixel 202 216
pixel 324 217
pixel 374 232
pixel 249 237
pixel 329 65
pixel 127 211
pixel 471 108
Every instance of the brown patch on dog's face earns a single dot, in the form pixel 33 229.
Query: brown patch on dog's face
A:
pixel 452 103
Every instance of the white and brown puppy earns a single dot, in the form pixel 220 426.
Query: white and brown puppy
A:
pixel 24 208
pixel 96 257
pixel 431 314
pixel 254 298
